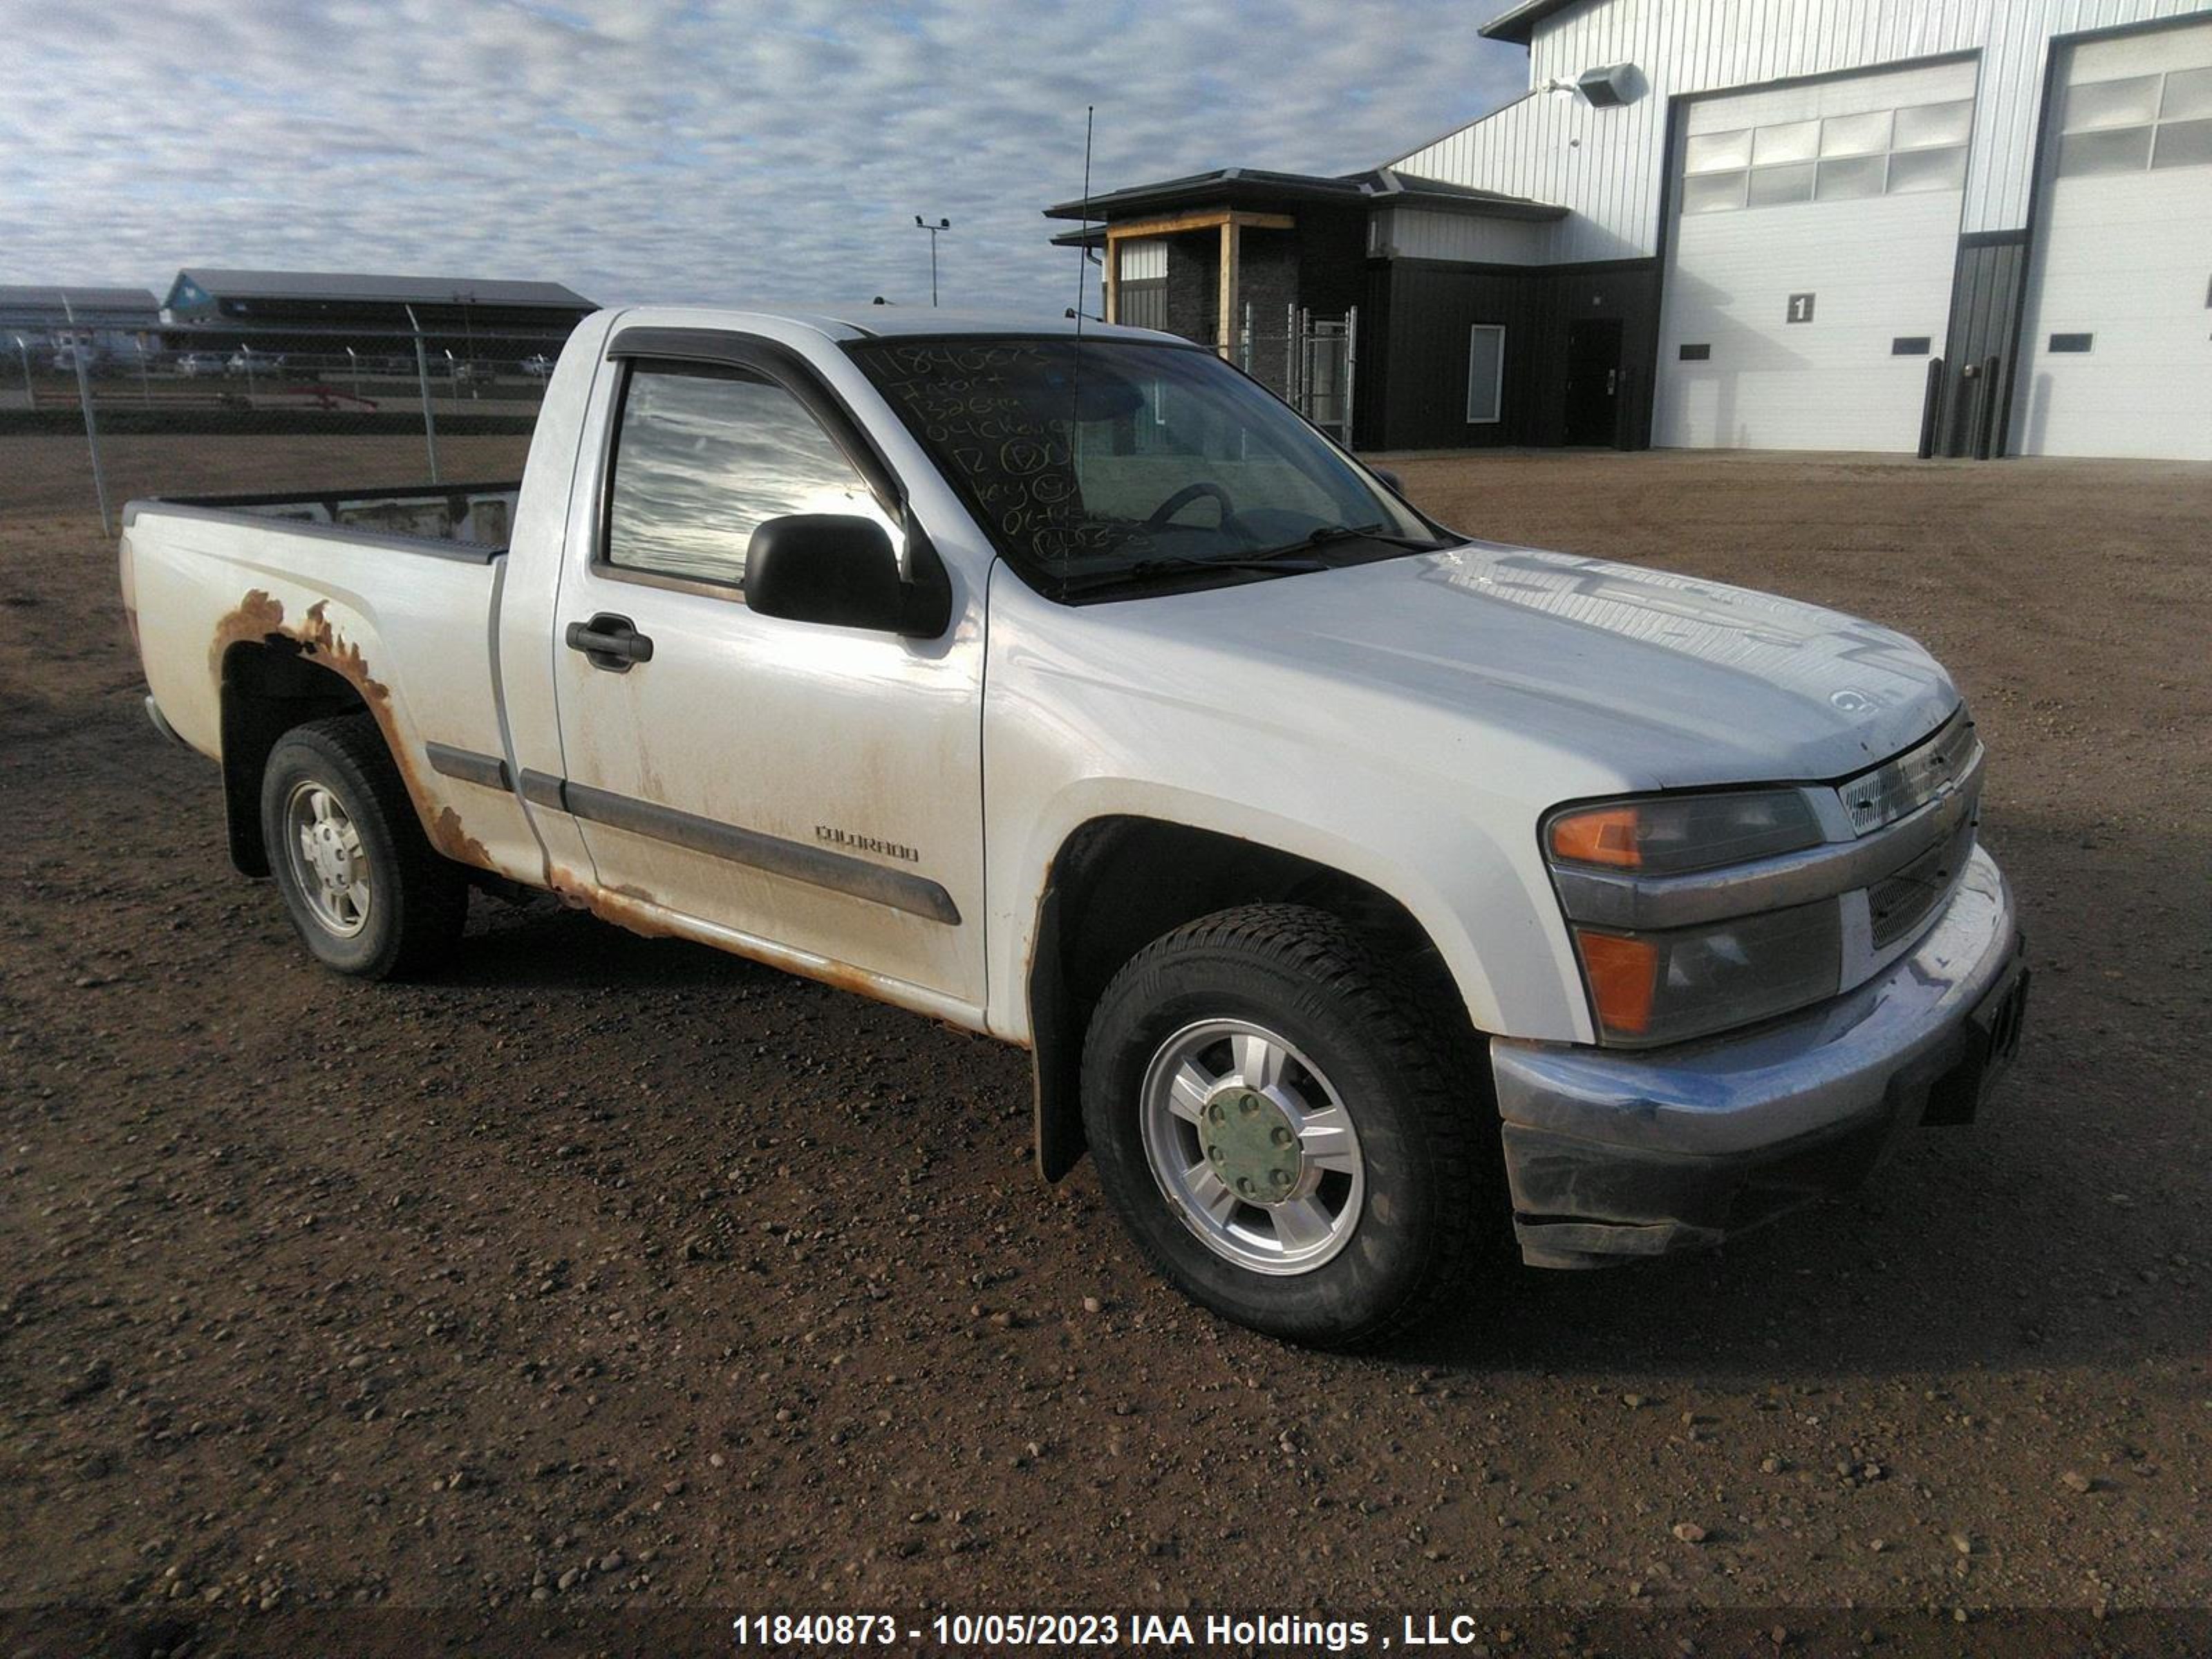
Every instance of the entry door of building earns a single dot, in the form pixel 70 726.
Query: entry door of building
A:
pixel 1593 380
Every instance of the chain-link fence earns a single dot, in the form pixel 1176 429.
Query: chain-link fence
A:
pixel 1307 361
pixel 98 421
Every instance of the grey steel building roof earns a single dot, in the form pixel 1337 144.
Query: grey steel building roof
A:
pixel 1516 23
pixel 219 285
pixel 31 302
pixel 1255 187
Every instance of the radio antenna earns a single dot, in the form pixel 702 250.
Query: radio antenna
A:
pixel 1082 276
pixel 1082 251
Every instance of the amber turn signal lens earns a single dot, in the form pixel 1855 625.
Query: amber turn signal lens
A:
pixel 1606 835
pixel 1624 974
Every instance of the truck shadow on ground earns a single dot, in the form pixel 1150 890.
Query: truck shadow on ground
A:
pixel 2008 1242
pixel 541 944
pixel 1994 1245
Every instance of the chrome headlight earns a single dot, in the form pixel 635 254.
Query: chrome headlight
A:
pixel 1673 834
pixel 1650 985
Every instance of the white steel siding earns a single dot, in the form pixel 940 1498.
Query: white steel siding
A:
pixel 1877 267
pixel 1606 165
pixel 2124 257
pixel 1423 234
pixel 1144 262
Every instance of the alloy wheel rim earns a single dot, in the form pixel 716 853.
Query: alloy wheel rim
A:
pixel 329 865
pixel 1252 1147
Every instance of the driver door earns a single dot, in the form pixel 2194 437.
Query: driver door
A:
pixel 812 787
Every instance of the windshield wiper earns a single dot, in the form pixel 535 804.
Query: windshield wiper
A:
pixel 1331 533
pixel 1272 561
pixel 1275 563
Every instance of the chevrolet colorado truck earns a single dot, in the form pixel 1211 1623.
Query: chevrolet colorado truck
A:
pixel 1358 888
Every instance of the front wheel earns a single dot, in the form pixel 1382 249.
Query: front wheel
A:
pixel 1281 1129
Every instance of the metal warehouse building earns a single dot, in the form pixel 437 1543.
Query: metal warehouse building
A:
pixel 1971 226
pixel 306 309
pixel 109 319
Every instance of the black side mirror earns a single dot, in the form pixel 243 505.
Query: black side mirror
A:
pixel 838 569
pixel 1397 484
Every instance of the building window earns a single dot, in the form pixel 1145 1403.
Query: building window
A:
pixel 1713 192
pixel 1910 345
pixel 1140 296
pixel 1485 373
pixel 1911 170
pixel 1772 187
pixel 1697 352
pixel 703 458
pixel 1143 262
pixel 1839 158
pixel 1847 177
pixel 2072 342
pixel 2137 122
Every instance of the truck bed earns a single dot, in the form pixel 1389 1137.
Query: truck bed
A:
pixel 239 600
pixel 468 521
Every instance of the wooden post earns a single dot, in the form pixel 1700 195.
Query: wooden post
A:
pixel 1231 233
pixel 1112 278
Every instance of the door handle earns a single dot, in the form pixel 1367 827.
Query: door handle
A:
pixel 611 642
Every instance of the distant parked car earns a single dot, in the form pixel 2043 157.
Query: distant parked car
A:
pixel 253 363
pixel 66 358
pixel 539 367
pixel 194 364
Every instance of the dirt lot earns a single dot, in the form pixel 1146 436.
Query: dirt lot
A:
pixel 616 1273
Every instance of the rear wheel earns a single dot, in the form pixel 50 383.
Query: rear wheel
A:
pixel 1283 1130
pixel 365 891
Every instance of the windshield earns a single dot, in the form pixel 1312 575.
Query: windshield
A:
pixel 1130 465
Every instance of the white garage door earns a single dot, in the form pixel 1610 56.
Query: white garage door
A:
pixel 1816 229
pixel 2117 353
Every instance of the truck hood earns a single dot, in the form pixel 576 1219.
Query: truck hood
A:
pixel 1668 681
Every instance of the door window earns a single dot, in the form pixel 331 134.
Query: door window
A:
pixel 2143 121
pixel 1838 158
pixel 703 457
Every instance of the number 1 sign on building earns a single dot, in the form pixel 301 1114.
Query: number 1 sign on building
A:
pixel 1800 308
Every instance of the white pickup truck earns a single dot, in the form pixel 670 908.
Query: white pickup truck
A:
pixel 1357 887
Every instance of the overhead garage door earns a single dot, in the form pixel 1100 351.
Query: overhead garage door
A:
pixel 2118 347
pixel 1809 273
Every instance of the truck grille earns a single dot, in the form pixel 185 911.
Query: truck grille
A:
pixel 1900 903
pixel 1908 782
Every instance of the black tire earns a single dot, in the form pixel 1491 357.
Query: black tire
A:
pixel 1427 1135
pixel 418 899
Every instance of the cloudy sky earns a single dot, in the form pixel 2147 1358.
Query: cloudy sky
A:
pixel 680 150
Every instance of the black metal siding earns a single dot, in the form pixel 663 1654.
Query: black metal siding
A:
pixel 1626 288
pixel 1332 258
pixel 1424 343
pixel 1371 383
pixel 1431 307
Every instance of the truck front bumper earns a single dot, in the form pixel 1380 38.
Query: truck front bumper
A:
pixel 1614 1155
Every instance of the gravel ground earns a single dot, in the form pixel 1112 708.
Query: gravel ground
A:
pixel 612 1274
